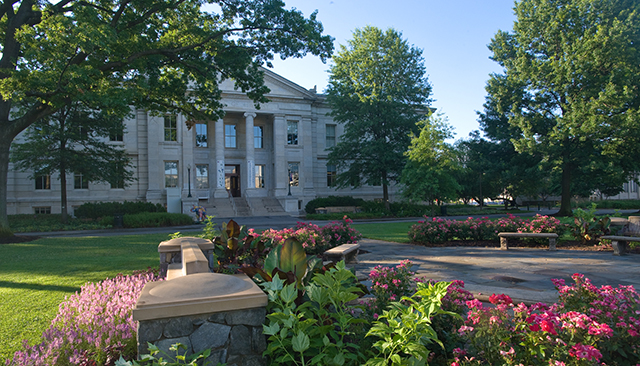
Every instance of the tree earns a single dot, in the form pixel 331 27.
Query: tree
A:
pixel 429 172
pixel 378 89
pixel 74 140
pixel 578 62
pixel 166 56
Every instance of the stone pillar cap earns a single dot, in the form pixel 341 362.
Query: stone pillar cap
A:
pixel 174 245
pixel 199 293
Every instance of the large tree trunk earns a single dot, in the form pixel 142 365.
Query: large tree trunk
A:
pixel 565 200
pixel 5 230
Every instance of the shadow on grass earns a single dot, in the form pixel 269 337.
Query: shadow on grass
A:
pixel 38 287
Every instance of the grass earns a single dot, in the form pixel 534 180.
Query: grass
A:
pixel 389 231
pixel 35 277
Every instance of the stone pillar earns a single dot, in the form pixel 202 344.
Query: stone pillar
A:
pixel 306 168
pixel 250 150
pixel 220 190
pixel 280 179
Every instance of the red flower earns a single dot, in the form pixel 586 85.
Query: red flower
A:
pixel 547 326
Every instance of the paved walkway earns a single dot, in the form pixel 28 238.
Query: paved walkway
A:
pixel 522 273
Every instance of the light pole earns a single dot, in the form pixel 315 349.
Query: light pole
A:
pixel 289 182
pixel 189 178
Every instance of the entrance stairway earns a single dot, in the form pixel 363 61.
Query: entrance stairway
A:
pixel 243 206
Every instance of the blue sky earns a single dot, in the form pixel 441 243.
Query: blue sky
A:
pixel 452 34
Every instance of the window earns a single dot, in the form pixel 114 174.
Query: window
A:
pixel 84 133
pixel 633 186
pixel 202 176
pixel 331 136
pixel 117 181
pixel 229 135
pixel 116 136
pixel 292 132
pixel 259 176
pixel 170 174
pixel 43 181
pixel 80 182
pixel 171 127
pixel 294 174
pixel 331 175
pixel 42 210
pixel 258 137
pixel 201 135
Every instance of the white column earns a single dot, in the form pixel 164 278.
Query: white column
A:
pixel 281 179
pixel 250 150
pixel 306 134
pixel 221 191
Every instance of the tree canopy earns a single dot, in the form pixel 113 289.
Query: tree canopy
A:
pixel 379 90
pixel 429 174
pixel 161 55
pixel 577 63
pixel 75 140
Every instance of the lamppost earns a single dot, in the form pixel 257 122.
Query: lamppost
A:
pixel 189 174
pixel 289 182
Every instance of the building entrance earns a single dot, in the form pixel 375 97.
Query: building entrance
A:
pixel 232 179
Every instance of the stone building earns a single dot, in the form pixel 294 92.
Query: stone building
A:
pixel 265 161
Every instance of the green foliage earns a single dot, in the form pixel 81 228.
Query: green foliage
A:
pixel 92 53
pixel 319 331
pixel 587 228
pixel 74 140
pixel 25 223
pixel 405 330
pixel 378 89
pixel 96 210
pixel 615 204
pixel 153 219
pixel 576 103
pixel 179 359
pixel 332 201
pixel 209 231
pixel 429 173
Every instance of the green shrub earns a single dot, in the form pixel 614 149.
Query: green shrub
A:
pixel 95 210
pixel 156 219
pixel 332 201
pixel 24 223
pixel 611 204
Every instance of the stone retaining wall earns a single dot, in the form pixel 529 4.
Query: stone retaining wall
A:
pixel 234 337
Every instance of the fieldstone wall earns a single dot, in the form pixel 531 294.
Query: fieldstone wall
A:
pixel 234 337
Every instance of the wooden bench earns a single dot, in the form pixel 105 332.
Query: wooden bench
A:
pixel 620 243
pixel 504 245
pixel 346 252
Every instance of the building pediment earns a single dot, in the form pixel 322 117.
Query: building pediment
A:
pixel 280 88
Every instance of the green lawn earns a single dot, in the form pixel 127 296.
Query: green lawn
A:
pixel 36 277
pixel 390 231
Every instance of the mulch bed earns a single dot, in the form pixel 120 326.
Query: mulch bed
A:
pixel 18 239
pixel 566 245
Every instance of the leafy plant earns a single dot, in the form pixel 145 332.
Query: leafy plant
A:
pixel 209 231
pixel 405 330
pixel 152 360
pixel 587 227
pixel 318 331
pixel 234 248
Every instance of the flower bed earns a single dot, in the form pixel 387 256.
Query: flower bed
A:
pixel 314 239
pixel 93 327
pixel 437 230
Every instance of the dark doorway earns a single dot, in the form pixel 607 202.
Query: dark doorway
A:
pixel 232 179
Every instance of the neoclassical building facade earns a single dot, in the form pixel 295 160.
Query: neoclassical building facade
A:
pixel 266 161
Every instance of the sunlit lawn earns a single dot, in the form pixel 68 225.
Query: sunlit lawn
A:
pixel 35 277
pixel 389 231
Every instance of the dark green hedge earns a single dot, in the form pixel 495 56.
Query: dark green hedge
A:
pixel 95 210
pixel 613 204
pixel 332 201
pixel 151 219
